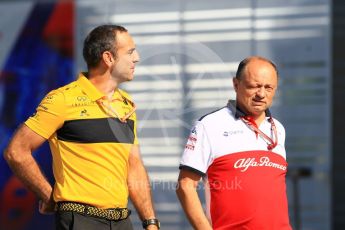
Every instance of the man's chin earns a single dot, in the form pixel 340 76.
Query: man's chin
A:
pixel 257 110
pixel 130 78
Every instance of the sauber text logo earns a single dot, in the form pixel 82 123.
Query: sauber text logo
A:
pixel 245 163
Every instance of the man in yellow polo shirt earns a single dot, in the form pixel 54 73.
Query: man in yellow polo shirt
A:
pixel 90 125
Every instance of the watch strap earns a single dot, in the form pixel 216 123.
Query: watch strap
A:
pixel 148 222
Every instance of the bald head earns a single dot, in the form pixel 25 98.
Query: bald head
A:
pixel 245 62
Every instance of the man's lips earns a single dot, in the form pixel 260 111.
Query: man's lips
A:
pixel 255 102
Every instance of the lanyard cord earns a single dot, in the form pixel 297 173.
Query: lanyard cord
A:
pixel 271 142
pixel 112 109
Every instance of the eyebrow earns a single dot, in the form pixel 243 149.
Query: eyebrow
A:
pixel 131 50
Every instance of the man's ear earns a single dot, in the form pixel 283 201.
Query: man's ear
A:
pixel 235 83
pixel 107 58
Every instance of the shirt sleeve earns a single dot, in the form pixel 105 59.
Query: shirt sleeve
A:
pixel 197 153
pixel 49 115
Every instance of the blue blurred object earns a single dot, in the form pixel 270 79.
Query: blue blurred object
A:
pixel 40 60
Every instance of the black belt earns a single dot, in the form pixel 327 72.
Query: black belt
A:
pixel 109 214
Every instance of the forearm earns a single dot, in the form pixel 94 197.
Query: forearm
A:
pixel 191 205
pixel 140 192
pixel 26 169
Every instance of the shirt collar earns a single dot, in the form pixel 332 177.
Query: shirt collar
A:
pixel 238 112
pixel 88 87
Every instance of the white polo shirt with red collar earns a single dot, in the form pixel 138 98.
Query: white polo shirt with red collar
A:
pixel 244 181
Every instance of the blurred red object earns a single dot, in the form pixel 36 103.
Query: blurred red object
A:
pixel 59 30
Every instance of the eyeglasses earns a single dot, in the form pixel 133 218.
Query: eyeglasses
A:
pixel 271 142
pixel 111 110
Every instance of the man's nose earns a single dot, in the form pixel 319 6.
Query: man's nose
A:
pixel 136 57
pixel 261 92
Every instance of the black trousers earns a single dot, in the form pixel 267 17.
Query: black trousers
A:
pixel 76 221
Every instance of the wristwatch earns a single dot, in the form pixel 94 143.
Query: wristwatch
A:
pixel 148 222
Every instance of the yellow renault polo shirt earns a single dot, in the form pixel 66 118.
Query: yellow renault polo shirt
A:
pixel 90 146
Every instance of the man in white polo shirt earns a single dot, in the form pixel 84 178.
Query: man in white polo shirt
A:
pixel 239 152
